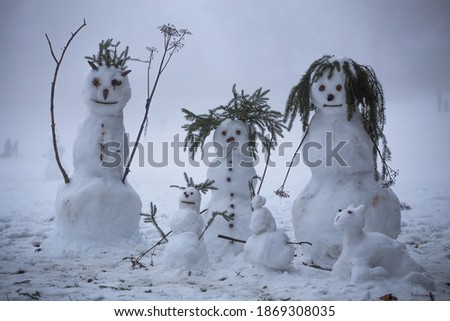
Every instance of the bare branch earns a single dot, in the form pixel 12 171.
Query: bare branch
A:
pixel 52 97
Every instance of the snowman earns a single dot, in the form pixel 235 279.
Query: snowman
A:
pixel 186 249
pixel 236 128
pixel 267 246
pixel 340 147
pixel 95 205
pixel 368 256
pixel 232 171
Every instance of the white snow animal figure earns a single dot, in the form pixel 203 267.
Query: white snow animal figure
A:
pixel 96 205
pixel 368 256
pixel 232 172
pixel 185 250
pixel 267 246
pixel 339 150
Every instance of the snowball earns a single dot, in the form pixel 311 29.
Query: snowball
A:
pixel 185 251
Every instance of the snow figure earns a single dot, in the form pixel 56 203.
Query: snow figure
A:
pixel 236 127
pixel 341 147
pixel 95 204
pixel 186 248
pixel 267 246
pixel 369 256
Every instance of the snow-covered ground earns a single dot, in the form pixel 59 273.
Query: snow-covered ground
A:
pixel 31 268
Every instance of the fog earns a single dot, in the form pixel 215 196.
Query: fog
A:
pixel 252 43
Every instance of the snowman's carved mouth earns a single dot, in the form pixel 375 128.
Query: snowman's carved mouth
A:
pixel 186 202
pixel 106 102
pixel 325 105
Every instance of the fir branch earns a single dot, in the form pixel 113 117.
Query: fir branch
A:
pixel 169 32
pixel 253 110
pixel 52 96
pixel 107 54
pixel 203 187
pixel 212 218
pixel 151 218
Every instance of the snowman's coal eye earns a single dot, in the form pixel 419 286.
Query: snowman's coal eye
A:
pixel 338 87
pixel 95 82
pixel 238 132
pixel 321 88
pixel 192 193
pixel 116 82
pixel 224 133
pixel 349 212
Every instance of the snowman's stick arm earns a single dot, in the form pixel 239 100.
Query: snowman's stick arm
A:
pixel 52 96
pixel 292 161
pixel 232 239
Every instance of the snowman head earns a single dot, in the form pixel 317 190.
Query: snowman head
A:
pixel 106 90
pixel 231 134
pixel 329 92
pixel 350 219
pixel 190 198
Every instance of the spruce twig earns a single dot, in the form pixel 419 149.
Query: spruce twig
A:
pixel 151 218
pixel 173 42
pixel 213 217
pixel 58 62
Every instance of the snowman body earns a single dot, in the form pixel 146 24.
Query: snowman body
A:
pixel 368 256
pixel 185 250
pixel 339 154
pixel 267 246
pixel 96 204
pixel 232 172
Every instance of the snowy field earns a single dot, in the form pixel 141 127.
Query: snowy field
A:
pixel 33 267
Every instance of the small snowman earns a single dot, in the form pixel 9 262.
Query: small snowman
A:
pixel 236 127
pixel 368 256
pixel 267 246
pixel 341 148
pixel 95 204
pixel 186 248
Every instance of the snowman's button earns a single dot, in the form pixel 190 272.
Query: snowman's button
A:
pixel 230 169
pixel 231 225
pixel 232 194
pixel 232 205
pixel 228 179
pixel 232 215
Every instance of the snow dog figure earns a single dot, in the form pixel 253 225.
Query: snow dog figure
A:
pixel 95 204
pixel 186 248
pixel 236 128
pixel 267 246
pixel 368 256
pixel 341 149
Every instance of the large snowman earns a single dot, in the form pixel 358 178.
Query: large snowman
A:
pixel 339 148
pixel 232 171
pixel 95 205
pixel 236 127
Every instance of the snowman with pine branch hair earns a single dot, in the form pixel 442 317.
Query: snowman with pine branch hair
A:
pixel 236 127
pixel 96 205
pixel 341 147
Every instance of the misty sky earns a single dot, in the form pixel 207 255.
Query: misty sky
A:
pixel 252 43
